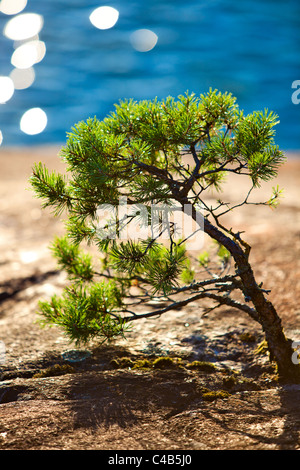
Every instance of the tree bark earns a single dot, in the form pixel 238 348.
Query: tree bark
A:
pixel 280 347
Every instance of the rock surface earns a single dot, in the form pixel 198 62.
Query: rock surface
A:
pixel 98 403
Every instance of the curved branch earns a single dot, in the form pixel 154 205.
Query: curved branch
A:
pixel 175 305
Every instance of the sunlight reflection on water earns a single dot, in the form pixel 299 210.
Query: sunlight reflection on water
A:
pixel 143 40
pixel 104 17
pixel 28 54
pixel 22 78
pixel 33 121
pixel 12 7
pixel 6 89
pixel 24 29
pixel 23 26
pixel 90 55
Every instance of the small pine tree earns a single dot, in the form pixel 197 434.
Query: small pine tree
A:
pixel 139 154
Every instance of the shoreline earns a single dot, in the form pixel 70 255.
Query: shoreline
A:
pixel 56 147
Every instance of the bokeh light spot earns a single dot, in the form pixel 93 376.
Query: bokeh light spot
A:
pixel 143 40
pixel 6 89
pixel 23 26
pixel 28 256
pixel 22 78
pixel 28 54
pixel 12 7
pixel 33 121
pixel 104 17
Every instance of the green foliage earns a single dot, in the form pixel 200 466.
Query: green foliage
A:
pixel 188 273
pixel 223 253
pixel 129 257
pixel 164 268
pixel 203 259
pixel 52 188
pixel 137 153
pixel 255 140
pixel 274 199
pixel 86 312
pixel 117 156
pixel 160 266
pixel 74 261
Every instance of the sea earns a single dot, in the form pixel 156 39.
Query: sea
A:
pixel 144 49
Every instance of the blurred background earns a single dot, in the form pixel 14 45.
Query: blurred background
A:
pixel 62 61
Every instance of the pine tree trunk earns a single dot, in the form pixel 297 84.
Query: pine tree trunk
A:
pixel 279 346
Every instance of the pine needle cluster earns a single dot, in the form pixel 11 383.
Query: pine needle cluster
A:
pixel 138 152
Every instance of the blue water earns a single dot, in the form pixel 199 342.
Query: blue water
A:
pixel 250 48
